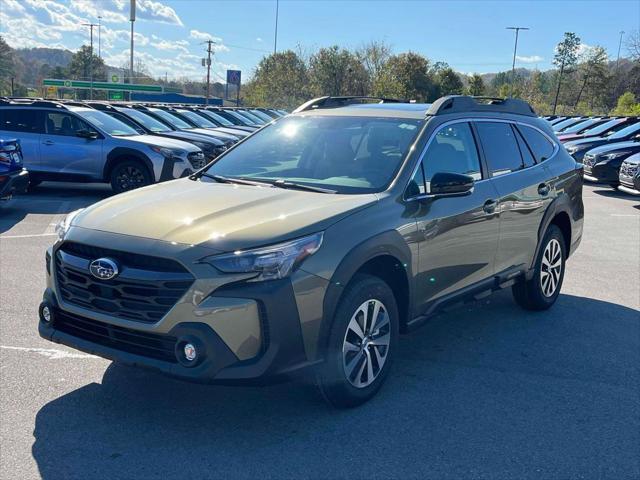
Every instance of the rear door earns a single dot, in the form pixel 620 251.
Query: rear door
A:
pixel 458 236
pixel 62 151
pixel 25 124
pixel 523 191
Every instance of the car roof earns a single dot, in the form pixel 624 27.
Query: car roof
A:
pixel 387 110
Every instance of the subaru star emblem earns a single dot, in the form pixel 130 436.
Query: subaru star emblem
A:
pixel 103 268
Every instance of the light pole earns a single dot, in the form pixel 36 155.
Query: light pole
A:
pixel 515 49
pixel 132 19
pixel 619 47
pixel 208 61
pixel 275 37
pixel 90 25
pixel 99 36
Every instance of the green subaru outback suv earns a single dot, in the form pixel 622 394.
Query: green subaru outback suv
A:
pixel 311 245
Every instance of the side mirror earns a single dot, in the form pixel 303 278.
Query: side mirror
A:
pixel 449 183
pixel 88 134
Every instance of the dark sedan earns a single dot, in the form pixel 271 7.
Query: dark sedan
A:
pixel 602 164
pixel 578 148
pixel 630 175
pixel 604 129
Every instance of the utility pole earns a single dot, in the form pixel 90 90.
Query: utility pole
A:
pixel 209 43
pixel 90 25
pixel 619 47
pixel 12 89
pixel 99 36
pixel 132 19
pixel 275 38
pixel 515 49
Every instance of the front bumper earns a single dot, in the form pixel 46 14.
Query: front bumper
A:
pixel 244 332
pixel 14 182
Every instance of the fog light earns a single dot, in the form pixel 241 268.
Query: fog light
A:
pixel 190 352
pixel 46 315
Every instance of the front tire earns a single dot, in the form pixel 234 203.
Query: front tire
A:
pixel 362 343
pixel 129 175
pixel 542 291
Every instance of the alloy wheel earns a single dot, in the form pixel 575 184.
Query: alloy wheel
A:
pixel 366 343
pixel 551 267
pixel 130 178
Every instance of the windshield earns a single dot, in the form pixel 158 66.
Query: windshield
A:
pixel 566 123
pixel 345 154
pixel 242 119
pixel 262 115
pixel 218 118
pixel 581 126
pixel 199 120
pixel 108 124
pixel 145 120
pixel 251 116
pixel 172 120
pixel 603 127
pixel 631 129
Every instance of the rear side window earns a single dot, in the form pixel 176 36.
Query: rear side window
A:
pixel 500 147
pixel 540 146
pixel 20 120
pixel 525 151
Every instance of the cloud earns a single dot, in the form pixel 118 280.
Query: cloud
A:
pixel 218 45
pixel 180 45
pixel 99 9
pixel 259 40
pixel 529 59
pixel 13 5
pixel 150 10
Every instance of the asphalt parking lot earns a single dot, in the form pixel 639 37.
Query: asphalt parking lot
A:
pixel 483 391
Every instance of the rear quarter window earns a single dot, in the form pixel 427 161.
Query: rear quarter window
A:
pixel 20 120
pixel 540 146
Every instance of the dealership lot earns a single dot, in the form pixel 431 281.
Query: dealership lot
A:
pixel 478 392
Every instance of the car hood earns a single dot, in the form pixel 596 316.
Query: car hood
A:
pixel 188 137
pixel 635 158
pixel 214 132
pixel 221 216
pixel 586 141
pixel 164 142
pixel 613 147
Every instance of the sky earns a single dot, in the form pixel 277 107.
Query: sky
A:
pixel 169 34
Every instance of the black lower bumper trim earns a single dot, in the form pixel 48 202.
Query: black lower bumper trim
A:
pixel 15 182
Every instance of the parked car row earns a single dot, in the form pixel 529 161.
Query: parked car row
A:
pixel 609 148
pixel 128 145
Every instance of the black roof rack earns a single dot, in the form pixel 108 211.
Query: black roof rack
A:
pixel 24 102
pixel 334 102
pixel 464 103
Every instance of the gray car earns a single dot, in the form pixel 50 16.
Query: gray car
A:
pixel 64 142
pixel 309 246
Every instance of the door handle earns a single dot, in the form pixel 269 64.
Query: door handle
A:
pixel 490 206
pixel 543 189
pixel 48 142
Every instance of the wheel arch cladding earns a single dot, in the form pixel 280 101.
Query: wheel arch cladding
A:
pixel 119 154
pixel 386 256
pixel 558 213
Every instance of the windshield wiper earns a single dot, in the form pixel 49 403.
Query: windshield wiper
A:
pixel 299 186
pixel 223 179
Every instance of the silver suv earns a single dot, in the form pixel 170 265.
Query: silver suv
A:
pixel 64 142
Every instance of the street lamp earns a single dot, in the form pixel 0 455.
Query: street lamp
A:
pixel 515 48
pixel 91 25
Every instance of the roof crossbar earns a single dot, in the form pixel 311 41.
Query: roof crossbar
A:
pixel 464 103
pixel 334 102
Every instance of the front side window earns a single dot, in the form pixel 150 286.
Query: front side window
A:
pixel 345 154
pixel 146 120
pixel 108 124
pixel 197 119
pixel 218 118
pixel 540 146
pixel 453 149
pixel 20 120
pixel 58 123
pixel 500 147
pixel 172 120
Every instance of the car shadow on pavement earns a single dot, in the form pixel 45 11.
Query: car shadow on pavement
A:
pixel 50 198
pixel 610 192
pixel 484 390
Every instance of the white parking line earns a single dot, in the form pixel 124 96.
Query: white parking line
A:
pixel 29 236
pixel 51 353
pixel 623 215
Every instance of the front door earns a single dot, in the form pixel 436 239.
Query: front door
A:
pixel 62 151
pixel 458 235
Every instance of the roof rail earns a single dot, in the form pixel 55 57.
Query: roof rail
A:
pixel 334 102
pixel 23 102
pixel 464 103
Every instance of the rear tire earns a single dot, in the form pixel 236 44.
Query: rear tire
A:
pixel 542 291
pixel 129 175
pixel 361 345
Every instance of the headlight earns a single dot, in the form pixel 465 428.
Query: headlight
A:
pixel 611 156
pixel 166 152
pixel 270 263
pixel 63 226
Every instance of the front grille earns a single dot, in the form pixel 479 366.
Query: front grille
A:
pixel 160 347
pixel 589 160
pixel 197 160
pixel 628 169
pixel 145 289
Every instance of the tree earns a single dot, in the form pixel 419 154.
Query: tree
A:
pixel 565 57
pixel 334 71
pixel 406 76
pixel 594 74
pixel 476 85
pixel 374 55
pixel 633 45
pixel 7 66
pixel 280 80
pixel 627 105
pixel 449 82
